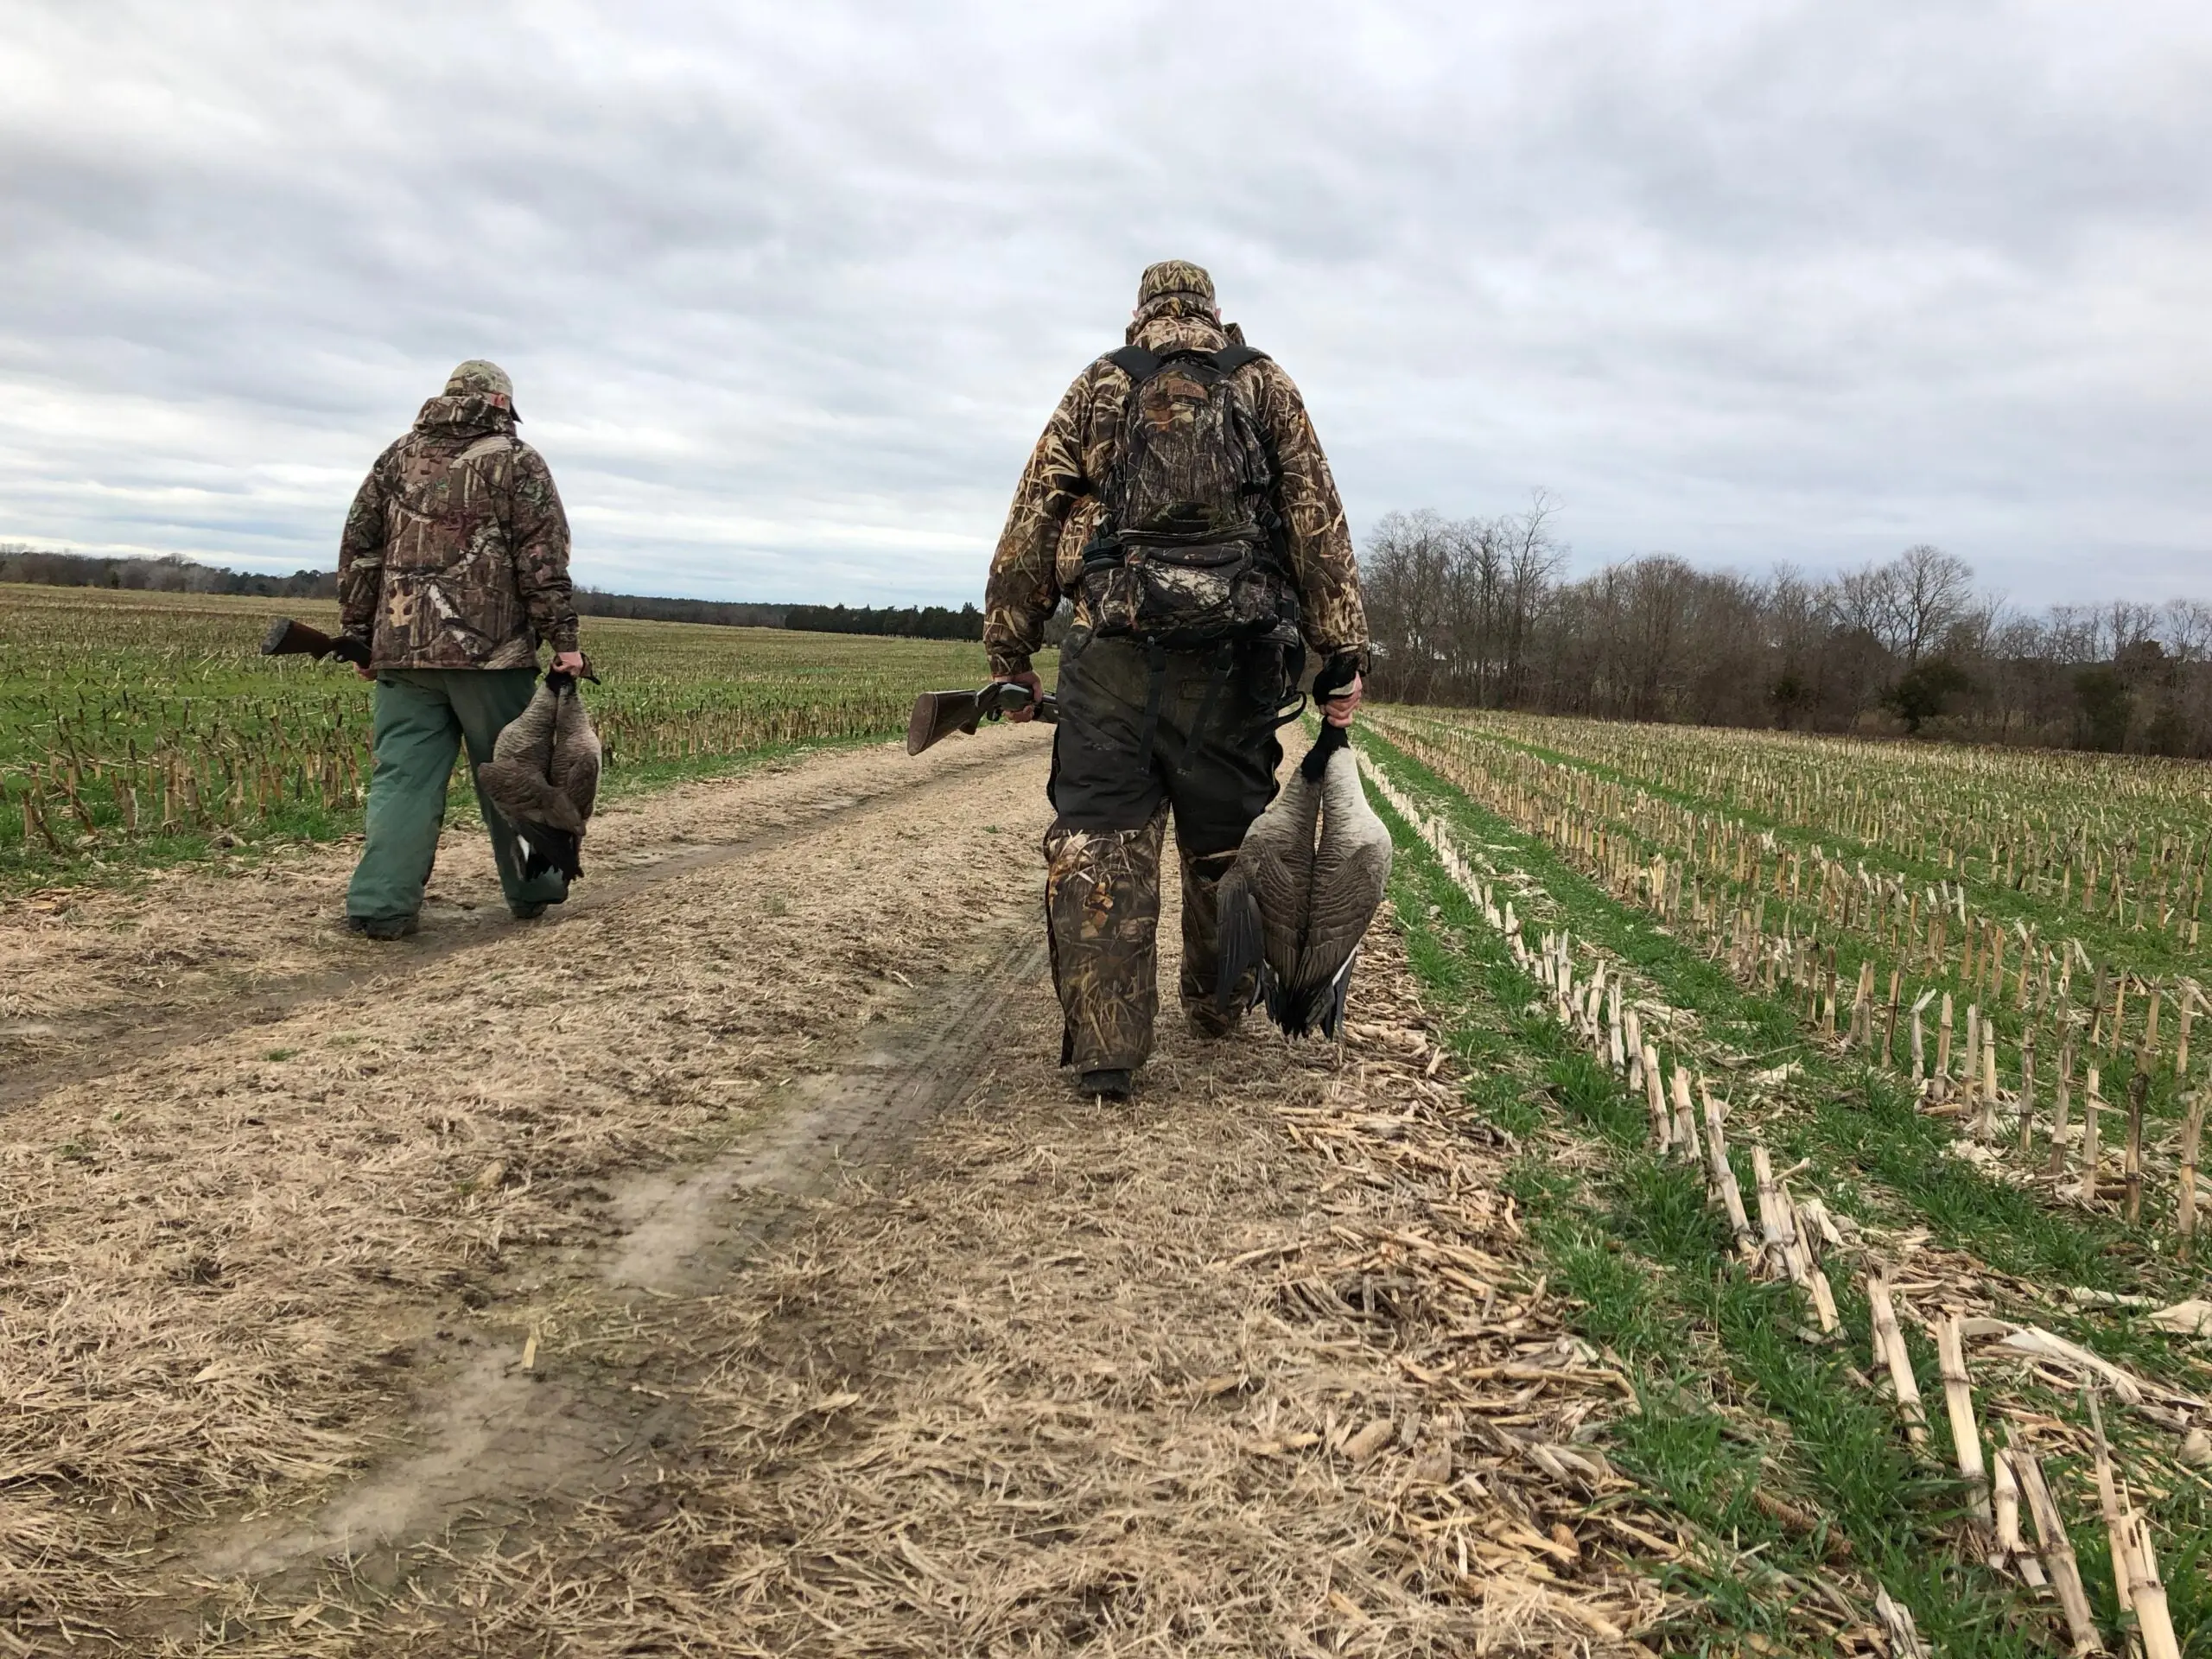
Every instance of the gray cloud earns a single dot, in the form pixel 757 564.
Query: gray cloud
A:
pixel 787 291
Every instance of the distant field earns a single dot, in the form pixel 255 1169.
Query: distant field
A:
pixel 137 728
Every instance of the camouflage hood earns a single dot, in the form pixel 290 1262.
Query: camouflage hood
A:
pixel 1177 322
pixel 470 416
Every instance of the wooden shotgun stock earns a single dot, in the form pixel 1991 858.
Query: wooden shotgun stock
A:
pixel 938 715
pixel 286 638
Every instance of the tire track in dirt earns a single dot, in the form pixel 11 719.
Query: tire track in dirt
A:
pixel 98 1041
pixel 689 1229
pixel 499 1443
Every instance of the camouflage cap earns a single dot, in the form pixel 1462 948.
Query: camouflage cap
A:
pixel 477 378
pixel 1174 277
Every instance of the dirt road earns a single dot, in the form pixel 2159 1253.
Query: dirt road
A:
pixel 724 1267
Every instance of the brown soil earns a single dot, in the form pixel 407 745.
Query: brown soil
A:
pixel 726 1268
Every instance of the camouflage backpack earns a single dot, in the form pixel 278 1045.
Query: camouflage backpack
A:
pixel 1187 549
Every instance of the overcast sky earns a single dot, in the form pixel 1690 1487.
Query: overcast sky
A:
pixel 787 290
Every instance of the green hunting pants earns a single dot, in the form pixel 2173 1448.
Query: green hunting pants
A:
pixel 424 715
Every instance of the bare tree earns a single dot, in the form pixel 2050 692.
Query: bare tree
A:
pixel 1403 581
pixel 1532 557
pixel 2127 625
pixel 1927 591
pixel 2075 633
pixel 2186 627
pixel 1861 600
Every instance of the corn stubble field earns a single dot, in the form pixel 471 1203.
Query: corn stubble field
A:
pixel 138 729
pixel 1853 1093
pixel 1876 1067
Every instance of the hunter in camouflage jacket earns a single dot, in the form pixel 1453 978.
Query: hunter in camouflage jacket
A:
pixel 455 553
pixel 1055 506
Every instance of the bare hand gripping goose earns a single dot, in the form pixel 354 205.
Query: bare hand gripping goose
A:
pixel 543 776
pixel 1305 887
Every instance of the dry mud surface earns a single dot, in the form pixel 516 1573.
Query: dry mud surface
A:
pixel 724 1267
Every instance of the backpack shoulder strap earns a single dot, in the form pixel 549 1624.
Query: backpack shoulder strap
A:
pixel 1135 362
pixel 1229 358
pixel 492 444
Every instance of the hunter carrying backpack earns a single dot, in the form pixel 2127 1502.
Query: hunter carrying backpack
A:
pixel 1187 549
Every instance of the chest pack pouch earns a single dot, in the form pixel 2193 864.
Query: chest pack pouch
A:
pixel 1188 551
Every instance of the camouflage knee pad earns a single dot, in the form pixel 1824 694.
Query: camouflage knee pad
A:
pixel 1101 908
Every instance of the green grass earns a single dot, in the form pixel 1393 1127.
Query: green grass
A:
pixel 108 699
pixel 2144 951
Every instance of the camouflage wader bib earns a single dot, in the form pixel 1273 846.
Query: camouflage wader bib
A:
pixel 1179 496
pixel 1145 732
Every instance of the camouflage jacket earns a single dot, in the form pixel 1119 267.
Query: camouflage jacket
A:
pixel 455 553
pixel 1055 506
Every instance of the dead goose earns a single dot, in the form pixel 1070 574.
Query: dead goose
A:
pixel 543 776
pixel 1306 884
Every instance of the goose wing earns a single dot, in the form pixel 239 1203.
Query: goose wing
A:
pixel 1261 891
pixel 1351 869
pixel 528 738
pixel 517 781
pixel 1278 857
pixel 575 757
pixel 516 778
pixel 1241 941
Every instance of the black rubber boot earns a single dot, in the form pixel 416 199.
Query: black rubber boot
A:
pixel 1108 1085
pixel 382 927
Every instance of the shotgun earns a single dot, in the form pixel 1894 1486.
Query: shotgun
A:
pixel 938 715
pixel 288 638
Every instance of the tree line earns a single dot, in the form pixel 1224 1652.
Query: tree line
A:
pixel 172 574
pixel 719 612
pixel 910 622
pixel 167 575
pixel 1476 612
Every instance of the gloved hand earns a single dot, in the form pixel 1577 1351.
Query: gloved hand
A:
pixel 1337 688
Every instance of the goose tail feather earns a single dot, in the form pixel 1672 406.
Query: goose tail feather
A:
pixel 1331 1017
pixel 1301 1010
pixel 1295 1008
